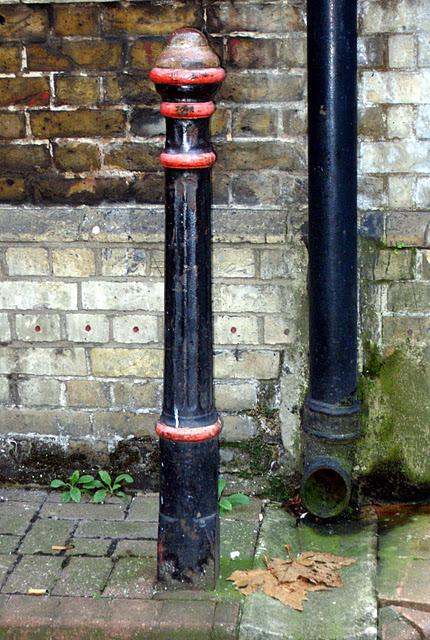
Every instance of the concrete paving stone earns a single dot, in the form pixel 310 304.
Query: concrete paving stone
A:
pixel 23 495
pixel 115 529
pixel 8 544
pixel 195 617
pixel 392 626
pixel 83 577
pixel 238 537
pixel 33 572
pixel 6 563
pixel 144 508
pixel 45 533
pixel 226 620
pixel 80 618
pixel 89 547
pixel 28 617
pixel 15 517
pixel 126 615
pixel 348 613
pixel 83 511
pixel 132 578
pixel 419 619
pixel 135 548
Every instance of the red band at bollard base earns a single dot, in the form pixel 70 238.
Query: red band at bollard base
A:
pixel 187 110
pixel 159 75
pixel 187 160
pixel 188 434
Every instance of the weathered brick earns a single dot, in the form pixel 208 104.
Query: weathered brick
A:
pixel 76 20
pixel 39 391
pixel 52 362
pixel 12 125
pixel 404 329
pixel 233 263
pixel 395 157
pixel 246 364
pixel 4 397
pixel 149 188
pixel 29 295
pixel 24 158
pixel 409 296
pixel 244 297
pixel 423 121
pixel 285 156
pixel 255 122
pixel 4 327
pixel 87 393
pixel 136 395
pixel 73 263
pixel 131 89
pixel 219 122
pixel 294 122
pixel 279 330
pixel 234 396
pixel 77 90
pixel 135 329
pixel 38 327
pixel 274 263
pixel 292 51
pixel 235 329
pixel 400 191
pixel 144 53
pixel 82 327
pixel 422 197
pixel 76 156
pixel 402 87
pixel 262 87
pixel 225 17
pixel 425 268
pixel 30 92
pixel 262 187
pixel 12 189
pixel 83 122
pixel 93 55
pixel 399 15
pixel 248 53
pixel 10 58
pixel 400 121
pixel 402 51
pixel 140 363
pixel 393 265
pixel 423 49
pixel 147 122
pixel 127 296
pixel 27 261
pixel 145 18
pixel 371 192
pixel 373 123
pixel 372 50
pixel 411 228
pixel 133 156
pixel 23 21
pixel 54 188
pixel 124 262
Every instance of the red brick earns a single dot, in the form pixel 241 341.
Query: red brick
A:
pixel 10 58
pixel 23 21
pixel 147 18
pixel 12 125
pixel 30 92
pixel 65 124
pixel 76 20
pixel 23 158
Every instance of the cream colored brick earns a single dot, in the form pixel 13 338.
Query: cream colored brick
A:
pixel 121 423
pixel 408 156
pixel 39 391
pixel 426 264
pixel 423 193
pixel 38 327
pixel 396 87
pixel 371 192
pixel 87 393
pixel 278 330
pixel 236 330
pixel 423 121
pixel 273 263
pixel 157 264
pixel 236 364
pixel 238 428
pixel 244 297
pixel 233 263
pixel 400 121
pixel 26 261
pixel 43 295
pixel 127 296
pixel 52 362
pixel 4 390
pixel 141 363
pixel 135 395
pixel 137 329
pixel 124 262
pixel 400 191
pixel 86 327
pixel 402 51
pixel 73 263
pixel 4 328
pixel 424 49
pixel 235 396
pixel 397 15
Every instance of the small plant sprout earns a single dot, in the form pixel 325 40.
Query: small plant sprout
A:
pixel 74 486
pixel 108 487
pixel 228 503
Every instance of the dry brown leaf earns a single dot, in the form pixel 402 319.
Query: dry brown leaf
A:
pixel 289 580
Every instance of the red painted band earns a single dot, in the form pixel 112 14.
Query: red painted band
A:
pixel 187 76
pixel 187 160
pixel 188 434
pixel 187 110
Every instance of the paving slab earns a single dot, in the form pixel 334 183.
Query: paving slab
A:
pixel 8 544
pixel 83 577
pixel 135 548
pixel 44 534
pixel 23 495
pixel 144 508
pixel 348 613
pixel 6 563
pixel 83 511
pixel 15 517
pixel 33 572
pixel 115 529
pixel 393 626
pixel 132 578
pixel 89 547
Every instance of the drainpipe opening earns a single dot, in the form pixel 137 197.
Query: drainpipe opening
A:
pixel 326 489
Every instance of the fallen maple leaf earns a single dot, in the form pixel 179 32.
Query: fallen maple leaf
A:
pixel 291 579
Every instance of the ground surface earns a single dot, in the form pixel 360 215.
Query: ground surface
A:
pixel 104 587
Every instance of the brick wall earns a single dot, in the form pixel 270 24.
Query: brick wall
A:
pixel 81 227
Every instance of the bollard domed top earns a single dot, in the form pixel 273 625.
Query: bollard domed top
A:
pixel 187 49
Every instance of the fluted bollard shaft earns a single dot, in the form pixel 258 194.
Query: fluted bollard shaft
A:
pixel 187 75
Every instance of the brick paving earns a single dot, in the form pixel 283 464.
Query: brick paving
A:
pixel 104 587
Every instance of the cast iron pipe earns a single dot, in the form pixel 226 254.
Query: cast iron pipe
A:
pixel 330 413
pixel 187 76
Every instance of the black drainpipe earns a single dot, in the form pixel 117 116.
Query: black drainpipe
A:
pixel 330 414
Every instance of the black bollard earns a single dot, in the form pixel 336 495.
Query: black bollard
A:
pixel 187 76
